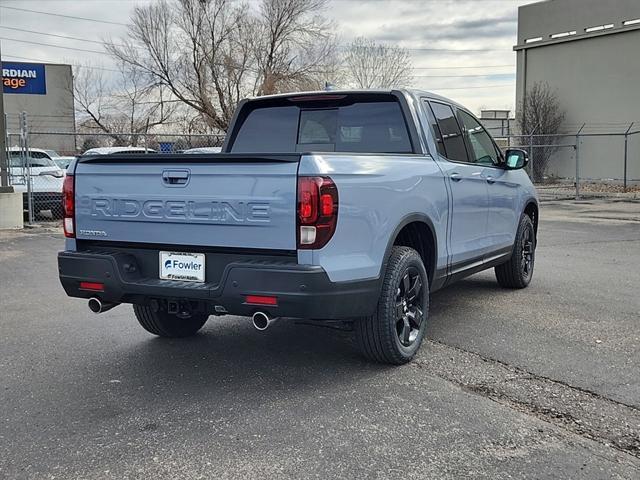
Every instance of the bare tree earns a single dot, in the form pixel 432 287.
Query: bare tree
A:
pixel 124 108
pixel 539 113
pixel 212 53
pixel 372 65
pixel 292 46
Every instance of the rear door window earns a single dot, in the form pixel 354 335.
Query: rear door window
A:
pixel 450 131
pixel 365 127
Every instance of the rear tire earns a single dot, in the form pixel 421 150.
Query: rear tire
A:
pixel 394 333
pixel 518 271
pixel 167 325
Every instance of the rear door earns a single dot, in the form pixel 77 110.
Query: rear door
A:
pixel 219 200
pixel 468 226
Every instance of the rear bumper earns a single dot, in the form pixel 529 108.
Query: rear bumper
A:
pixel 302 291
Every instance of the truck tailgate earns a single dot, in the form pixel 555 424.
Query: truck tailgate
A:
pixel 204 200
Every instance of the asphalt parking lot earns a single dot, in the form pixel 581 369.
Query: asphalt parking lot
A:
pixel 538 383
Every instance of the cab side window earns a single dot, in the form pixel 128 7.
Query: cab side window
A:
pixel 483 150
pixel 452 139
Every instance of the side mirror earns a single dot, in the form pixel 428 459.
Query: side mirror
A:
pixel 516 159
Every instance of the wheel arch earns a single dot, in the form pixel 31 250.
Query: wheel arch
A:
pixel 415 230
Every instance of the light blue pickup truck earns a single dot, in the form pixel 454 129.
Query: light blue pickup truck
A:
pixel 342 208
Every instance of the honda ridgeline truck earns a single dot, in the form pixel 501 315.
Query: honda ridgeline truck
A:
pixel 345 207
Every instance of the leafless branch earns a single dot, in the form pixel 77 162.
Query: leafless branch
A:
pixel 209 54
pixel 540 113
pixel 371 65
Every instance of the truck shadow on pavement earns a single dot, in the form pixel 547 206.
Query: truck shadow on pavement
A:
pixel 229 357
pixel 229 361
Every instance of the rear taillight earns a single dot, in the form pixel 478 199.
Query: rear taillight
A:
pixel 317 211
pixel 68 207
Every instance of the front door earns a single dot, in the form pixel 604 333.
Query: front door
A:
pixel 502 220
pixel 469 195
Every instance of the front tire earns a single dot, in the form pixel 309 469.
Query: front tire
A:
pixel 518 271
pixel 394 333
pixel 167 325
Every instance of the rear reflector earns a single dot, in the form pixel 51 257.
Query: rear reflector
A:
pixel 261 300
pixel 93 286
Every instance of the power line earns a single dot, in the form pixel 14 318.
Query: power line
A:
pixel 105 53
pixel 455 67
pixel 417 76
pixel 460 67
pixel 51 45
pixel 464 76
pixel 31 42
pixel 103 43
pixel 433 1
pixel 471 87
pixel 432 49
pixel 63 16
pixel 55 35
pixel 40 60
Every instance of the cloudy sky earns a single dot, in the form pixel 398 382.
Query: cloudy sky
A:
pixel 460 48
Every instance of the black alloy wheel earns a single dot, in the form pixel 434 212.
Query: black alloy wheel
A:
pixel 409 314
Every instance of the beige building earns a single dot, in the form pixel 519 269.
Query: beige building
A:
pixel 45 92
pixel 589 52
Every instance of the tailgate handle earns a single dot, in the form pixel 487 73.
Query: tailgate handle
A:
pixel 175 177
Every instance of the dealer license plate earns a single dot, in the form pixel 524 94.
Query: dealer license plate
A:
pixel 182 266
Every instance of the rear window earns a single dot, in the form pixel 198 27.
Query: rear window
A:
pixel 324 126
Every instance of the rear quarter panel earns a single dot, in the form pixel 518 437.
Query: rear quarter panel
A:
pixel 376 192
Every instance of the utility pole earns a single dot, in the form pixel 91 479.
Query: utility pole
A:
pixel 4 171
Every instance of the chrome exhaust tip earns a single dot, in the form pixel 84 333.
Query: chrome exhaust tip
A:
pixel 262 321
pixel 96 305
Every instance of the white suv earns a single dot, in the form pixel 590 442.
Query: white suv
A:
pixel 45 175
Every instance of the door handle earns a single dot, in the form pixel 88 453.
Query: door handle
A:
pixel 455 177
pixel 175 177
pixel 491 180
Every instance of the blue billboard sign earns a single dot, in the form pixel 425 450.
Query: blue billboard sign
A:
pixel 25 78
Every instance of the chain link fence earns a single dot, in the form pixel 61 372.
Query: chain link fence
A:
pixel 156 142
pixel 592 160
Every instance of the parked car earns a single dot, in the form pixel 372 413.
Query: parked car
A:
pixel 62 161
pixel 46 179
pixel 52 153
pixel 203 150
pixel 342 208
pixel 114 150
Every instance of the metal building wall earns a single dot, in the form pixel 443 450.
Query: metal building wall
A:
pixel 50 112
pixel 594 73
